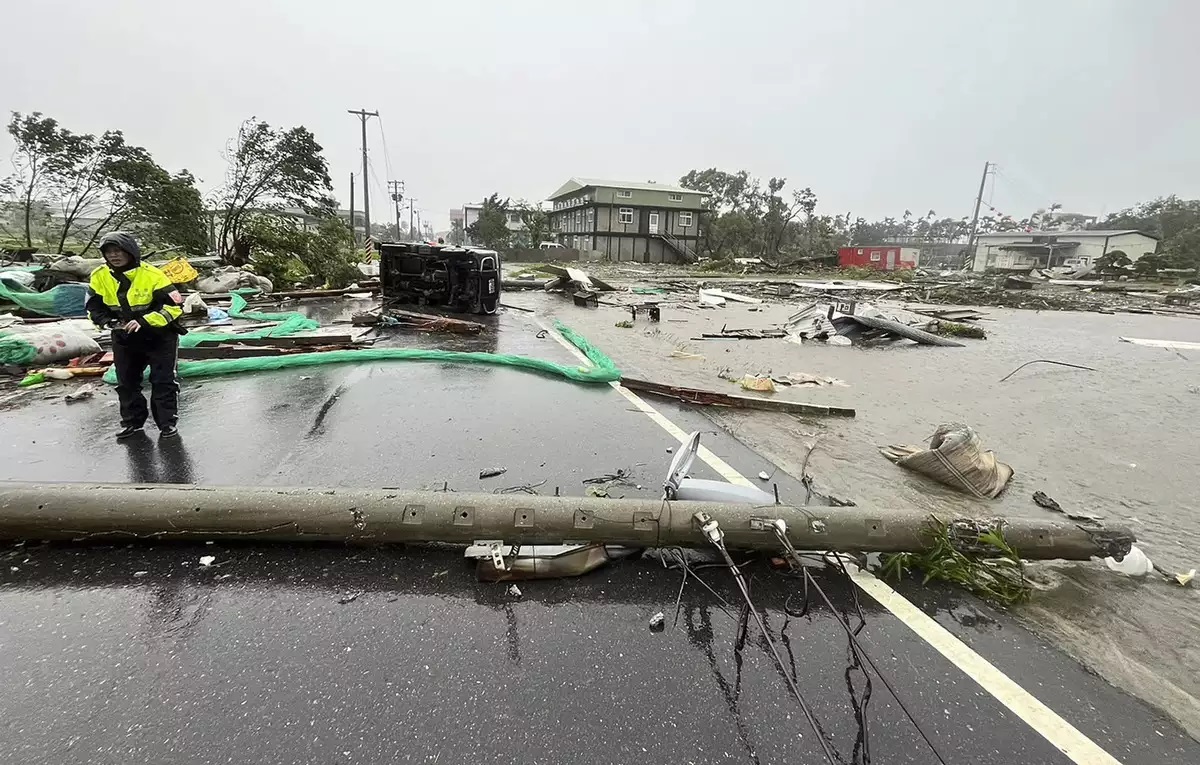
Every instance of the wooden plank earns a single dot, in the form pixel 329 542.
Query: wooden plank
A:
pixel 712 398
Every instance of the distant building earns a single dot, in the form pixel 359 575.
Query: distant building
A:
pixel 468 214
pixel 888 258
pixel 1023 250
pixel 643 222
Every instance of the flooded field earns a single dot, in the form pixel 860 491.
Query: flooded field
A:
pixel 1119 442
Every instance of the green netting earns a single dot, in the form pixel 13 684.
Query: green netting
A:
pixel 602 370
pixel 16 351
pixel 63 300
pixel 290 323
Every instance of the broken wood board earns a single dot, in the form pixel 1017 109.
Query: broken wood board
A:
pixel 580 277
pixel 433 323
pixel 834 286
pixel 1179 345
pixel 712 398
pixel 735 297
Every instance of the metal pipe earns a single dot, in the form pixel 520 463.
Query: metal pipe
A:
pixel 162 511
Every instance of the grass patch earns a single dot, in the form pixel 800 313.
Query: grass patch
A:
pixel 992 570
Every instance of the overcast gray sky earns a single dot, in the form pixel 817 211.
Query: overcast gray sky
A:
pixel 877 105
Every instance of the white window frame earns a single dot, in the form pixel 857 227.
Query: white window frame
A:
pixel 673 197
pixel 685 220
pixel 875 256
pixel 624 194
pixel 625 215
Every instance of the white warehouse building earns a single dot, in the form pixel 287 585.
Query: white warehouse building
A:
pixel 1023 250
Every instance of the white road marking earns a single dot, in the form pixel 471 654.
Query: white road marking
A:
pixel 1065 737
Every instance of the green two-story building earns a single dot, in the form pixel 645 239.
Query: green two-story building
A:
pixel 641 222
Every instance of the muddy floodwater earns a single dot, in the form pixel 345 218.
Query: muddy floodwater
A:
pixel 1120 442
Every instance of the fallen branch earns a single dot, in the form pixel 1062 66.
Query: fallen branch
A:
pixel 1045 361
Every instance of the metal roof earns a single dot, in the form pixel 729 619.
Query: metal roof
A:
pixel 1089 232
pixel 576 184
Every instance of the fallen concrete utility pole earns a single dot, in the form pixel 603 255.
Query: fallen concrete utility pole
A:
pixel 79 511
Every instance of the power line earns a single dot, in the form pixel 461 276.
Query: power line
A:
pixel 387 158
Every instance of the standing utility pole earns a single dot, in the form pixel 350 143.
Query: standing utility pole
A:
pixel 978 201
pixel 410 218
pixel 363 115
pixel 353 228
pixel 397 189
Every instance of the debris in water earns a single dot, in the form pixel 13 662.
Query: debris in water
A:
pixel 627 324
pixel 1135 563
pixel 439 574
pixel 514 590
pixel 658 622
pixel 207 560
pixel 955 457
pixel 140 574
pixel 761 384
pixel 348 598
pixel 492 472
pixel 763 476
pixel 1042 500
pixel 1171 344
pixel 1185 579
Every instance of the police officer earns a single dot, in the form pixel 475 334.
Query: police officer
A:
pixel 140 305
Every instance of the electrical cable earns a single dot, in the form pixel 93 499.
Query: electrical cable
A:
pixel 780 528
pixel 714 535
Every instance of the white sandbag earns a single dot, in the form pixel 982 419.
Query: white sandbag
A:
pixel 956 458
pixel 19 277
pixel 56 343
pixel 229 278
pixel 75 265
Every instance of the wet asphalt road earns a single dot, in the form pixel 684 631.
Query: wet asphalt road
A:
pixel 324 654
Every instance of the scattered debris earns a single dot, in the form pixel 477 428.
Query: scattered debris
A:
pixel 432 323
pixel 1179 345
pixel 658 622
pixel 514 590
pixel 954 329
pixel 874 328
pixel 492 472
pixel 348 598
pixel 956 458
pixel 709 300
pixel 743 334
pixel 1045 361
pixel 1135 563
pixel 761 384
pixel 82 393
pixel 804 378
pixel 207 560
pixel 525 488
pixel 585 299
pixel 140 574
pixel 1185 579
pixel 763 475
pixel 729 296
pixel 627 324
pixel 712 398
pixel 622 476
pixel 575 278
pixel 1041 500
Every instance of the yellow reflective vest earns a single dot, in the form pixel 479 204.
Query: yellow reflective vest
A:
pixel 143 294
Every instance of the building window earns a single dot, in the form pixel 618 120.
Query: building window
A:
pixel 874 257
pixel 674 197
pixel 591 217
pixel 514 217
pixel 685 220
pixel 625 215
pixel 625 194
pixel 860 252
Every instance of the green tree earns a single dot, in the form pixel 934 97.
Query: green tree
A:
pixel 458 234
pixel 39 160
pixel 285 249
pixel 270 169
pixel 535 221
pixel 1175 221
pixel 491 228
